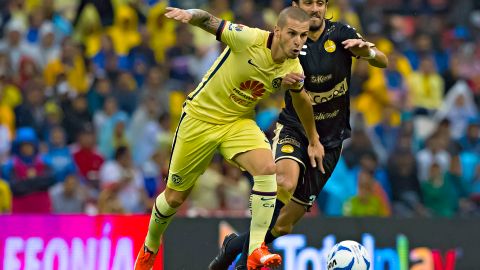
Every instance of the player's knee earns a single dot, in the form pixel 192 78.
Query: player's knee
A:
pixel 286 183
pixel 174 200
pixel 268 168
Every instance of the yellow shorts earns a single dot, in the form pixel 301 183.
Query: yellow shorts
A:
pixel 196 141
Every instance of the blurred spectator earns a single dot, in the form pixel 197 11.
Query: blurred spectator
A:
pixel 31 113
pixel 7 117
pixel 439 192
pixel 68 197
pixel 206 194
pixel 105 122
pixel 471 140
pixel 87 159
pixel 235 189
pixel 69 64
pixel 359 145
pixel 342 11
pixel 106 61
pixel 15 44
pixel 426 88
pixel 88 29
pixel 59 155
pixel 270 13
pixel 154 171
pixel 28 174
pixel 97 95
pixel 154 88
pixel 47 48
pixel 141 58
pixel 28 71
pixel 5 141
pixel 124 31
pixel 35 21
pixel 76 115
pixel 126 93
pixel 402 174
pixel 366 202
pixel 458 107
pixel 161 29
pixel 124 181
pixel 103 7
pixel 247 14
pixel 180 55
pixel 433 153
pixel 5 198
pixel 387 132
pixel 396 81
pixel 145 130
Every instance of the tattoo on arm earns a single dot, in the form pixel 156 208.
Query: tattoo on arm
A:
pixel 204 20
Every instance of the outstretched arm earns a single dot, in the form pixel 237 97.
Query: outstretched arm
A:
pixel 196 17
pixel 367 51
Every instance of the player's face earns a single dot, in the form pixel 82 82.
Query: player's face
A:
pixel 316 9
pixel 292 37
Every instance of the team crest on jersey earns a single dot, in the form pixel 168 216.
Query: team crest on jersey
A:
pixel 176 179
pixel 236 27
pixel 329 46
pixel 287 148
pixel 276 83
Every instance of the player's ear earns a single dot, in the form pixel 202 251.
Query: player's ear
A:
pixel 294 4
pixel 277 30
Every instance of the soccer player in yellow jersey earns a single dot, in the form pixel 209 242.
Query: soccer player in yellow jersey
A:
pixel 218 115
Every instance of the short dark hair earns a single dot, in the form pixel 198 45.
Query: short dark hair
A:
pixel 296 1
pixel 295 13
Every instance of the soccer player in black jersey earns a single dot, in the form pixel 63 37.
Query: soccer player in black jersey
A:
pixel 327 60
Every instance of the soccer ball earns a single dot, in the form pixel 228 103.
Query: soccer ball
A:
pixel 348 255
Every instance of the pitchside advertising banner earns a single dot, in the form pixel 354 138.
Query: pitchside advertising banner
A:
pixel 71 242
pixel 111 242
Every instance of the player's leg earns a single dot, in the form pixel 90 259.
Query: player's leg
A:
pixel 288 173
pixel 191 154
pixel 248 147
pixel 260 164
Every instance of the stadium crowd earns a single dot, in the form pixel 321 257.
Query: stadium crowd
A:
pixel 91 91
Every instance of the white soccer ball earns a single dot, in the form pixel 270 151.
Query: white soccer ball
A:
pixel 348 255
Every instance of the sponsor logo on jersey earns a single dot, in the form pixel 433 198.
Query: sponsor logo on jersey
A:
pixel 318 79
pixel 289 140
pixel 326 115
pixel 329 46
pixel 287 148
pixel 248 93
pixel 339 90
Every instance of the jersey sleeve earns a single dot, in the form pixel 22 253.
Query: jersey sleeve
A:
pixel 238 36
pixel 348 32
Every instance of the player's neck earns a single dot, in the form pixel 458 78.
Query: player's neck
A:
pixel 315 35
pixel 278 55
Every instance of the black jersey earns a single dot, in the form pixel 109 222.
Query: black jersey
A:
pixel 327 67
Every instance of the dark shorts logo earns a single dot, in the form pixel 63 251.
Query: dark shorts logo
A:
pixel 176 179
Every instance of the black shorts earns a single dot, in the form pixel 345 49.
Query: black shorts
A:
pixel 293 144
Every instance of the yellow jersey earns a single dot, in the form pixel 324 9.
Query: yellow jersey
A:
pixel 242 75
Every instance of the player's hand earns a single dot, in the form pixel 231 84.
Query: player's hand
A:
pixel 178 14
pixel 289 81
pixel 316 154
pixel 358 47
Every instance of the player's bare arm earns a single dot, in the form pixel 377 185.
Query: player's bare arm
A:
pixel 196 17
pixel 367 51
pixel 303 106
